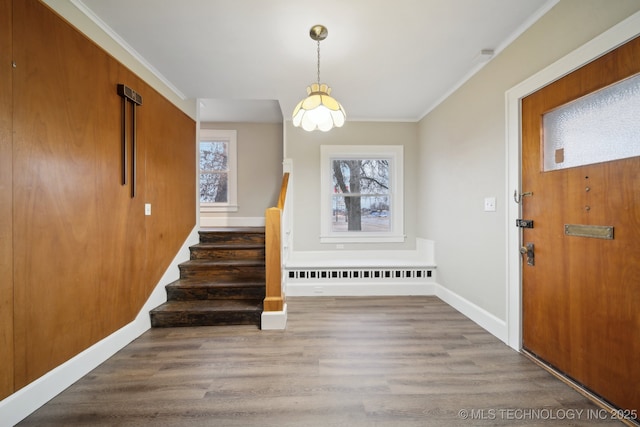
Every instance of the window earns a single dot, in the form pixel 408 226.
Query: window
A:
pixel 362 193
pixel 599 127
pixel 218 182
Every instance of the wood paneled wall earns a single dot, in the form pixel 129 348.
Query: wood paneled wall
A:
pixel 6 196
pixel 84 256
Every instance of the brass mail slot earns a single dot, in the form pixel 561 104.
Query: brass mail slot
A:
pixel 595 231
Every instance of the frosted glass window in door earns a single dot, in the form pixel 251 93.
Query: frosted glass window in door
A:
pixel 599 127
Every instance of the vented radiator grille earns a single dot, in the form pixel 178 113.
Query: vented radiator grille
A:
pixel 365 274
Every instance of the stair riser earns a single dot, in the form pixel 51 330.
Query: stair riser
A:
pixel 232 238
pixel 164 320
pixel 217 254
pixel 223 273
pixel 182 294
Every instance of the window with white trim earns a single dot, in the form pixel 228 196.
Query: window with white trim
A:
pixel 218 170
pixel 362 193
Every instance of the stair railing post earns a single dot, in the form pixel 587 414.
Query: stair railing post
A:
pixel 273 299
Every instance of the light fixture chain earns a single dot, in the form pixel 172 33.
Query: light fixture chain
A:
pixel 318 62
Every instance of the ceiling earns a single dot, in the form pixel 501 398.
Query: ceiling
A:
pixel 251 60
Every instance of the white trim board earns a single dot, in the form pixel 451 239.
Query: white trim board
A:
pixel 422 256
pixel 274 320
pixel 492 324
pixel 600 45
pixel 344 289
pixel 22 403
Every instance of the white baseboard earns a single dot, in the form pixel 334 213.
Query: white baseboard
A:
pixel 224 221
pixel 20 404
pixel 495 326
pixel 274 319
pixel 358 289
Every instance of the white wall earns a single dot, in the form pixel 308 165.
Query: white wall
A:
pixel 303 148
pixel 260 157
pixel 462 152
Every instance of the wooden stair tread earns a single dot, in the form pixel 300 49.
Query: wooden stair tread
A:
pixel 222 262
pixel 209 306
pixel 203 283
pixel 223 245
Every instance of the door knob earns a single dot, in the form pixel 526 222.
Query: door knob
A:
pixel 528 251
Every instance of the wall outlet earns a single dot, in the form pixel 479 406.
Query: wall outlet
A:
pixel 147 209
pixel 489 204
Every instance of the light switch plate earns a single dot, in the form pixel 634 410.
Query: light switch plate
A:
pixel 147 209
pixel 489 204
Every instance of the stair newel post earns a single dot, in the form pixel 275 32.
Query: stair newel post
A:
pixel 274 300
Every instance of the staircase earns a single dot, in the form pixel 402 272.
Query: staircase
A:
pixel 222 284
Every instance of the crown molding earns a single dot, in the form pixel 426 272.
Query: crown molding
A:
pixel 126 46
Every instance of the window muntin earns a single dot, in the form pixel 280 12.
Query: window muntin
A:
pixel 217 170
pixel 362 193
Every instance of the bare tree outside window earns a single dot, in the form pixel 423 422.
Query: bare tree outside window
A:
pixel 360 195
pixel 213 171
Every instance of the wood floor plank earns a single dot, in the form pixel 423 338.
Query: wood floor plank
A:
pixel 374 361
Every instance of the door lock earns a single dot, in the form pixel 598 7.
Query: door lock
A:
pixel 524 223
pixel 528 251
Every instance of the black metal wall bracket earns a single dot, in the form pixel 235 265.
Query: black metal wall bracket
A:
pixel 129 96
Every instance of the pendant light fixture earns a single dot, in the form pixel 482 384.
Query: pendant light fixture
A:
pixel 318 110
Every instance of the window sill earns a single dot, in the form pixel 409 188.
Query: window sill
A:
pixel 222 208
pixel 377 238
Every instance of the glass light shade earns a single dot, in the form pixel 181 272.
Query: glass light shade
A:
pixel 319 110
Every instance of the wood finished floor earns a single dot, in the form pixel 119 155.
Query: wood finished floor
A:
pixel 374 361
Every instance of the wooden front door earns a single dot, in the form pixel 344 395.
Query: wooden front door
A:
pixel 581 298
